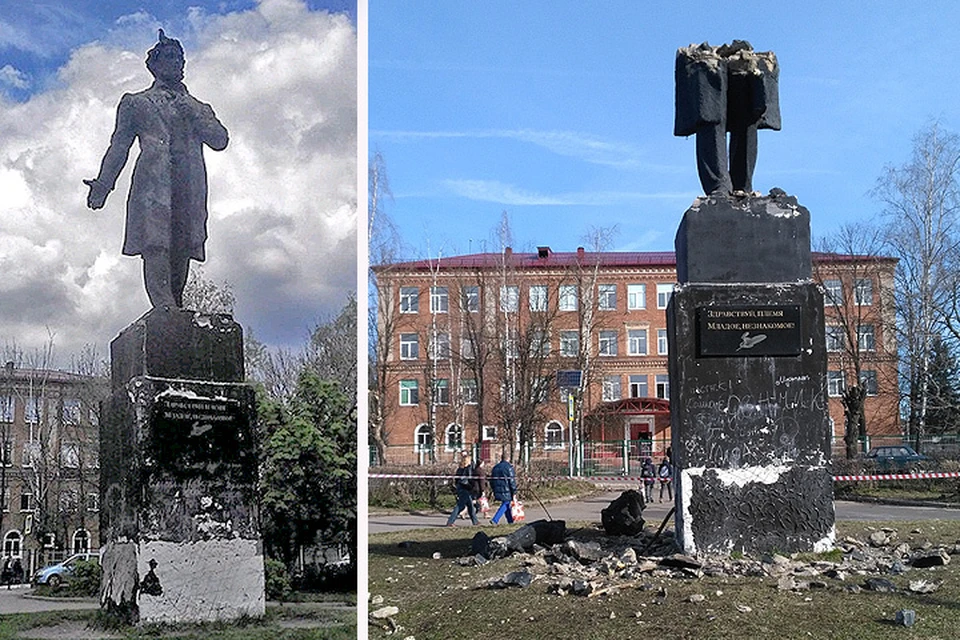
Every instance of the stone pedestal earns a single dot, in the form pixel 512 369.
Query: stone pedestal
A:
pixel 178 473
pixel 748 401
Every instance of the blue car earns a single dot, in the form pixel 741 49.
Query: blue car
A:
pixel 56 574
pixel 897 458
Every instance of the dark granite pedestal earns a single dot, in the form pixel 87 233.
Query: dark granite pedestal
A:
pixel 748 401
pixel 178 472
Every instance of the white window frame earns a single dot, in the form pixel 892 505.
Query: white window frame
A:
pixel 607 297
pixel 70 411
pixel 6 452
pixel 538 297
pixel 636 297
pixel 662 386
pixel 664 293
pixel 553 433
pixel 468 350
pixel 489 432
pixel 441 391
pixel 453 437
pixel 409 346
pixel 835 384
pixel 468 391
pixel 29 496
pixel 13 544
pixel 440 346
pixel 439 299
pixel 634 381
pixel 470 298
pixel 7 408
pixel 866 338
pixel 568 298
pixel 636 342
pixel 607 343
pixel 409 300
pixel 863 292
pixel 869 382
pixel 834 337
pixel 663 345
pixel 569 344
pixel 405 398
pixel 833 292
pixel 539 343
pixel 77 535
pixel 509 298
pixel 422 438
pixel 70 455
pixel 93 501
pixel 611 389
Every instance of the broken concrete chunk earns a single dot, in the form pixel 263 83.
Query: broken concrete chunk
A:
pixel 624 516
pixel 934 558
pixel 384 612
pixel 681 561
pixel 924 586
pixel 881 585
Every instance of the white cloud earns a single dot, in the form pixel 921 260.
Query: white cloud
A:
pixel 282 195
pixel 13 77
pixel 495 191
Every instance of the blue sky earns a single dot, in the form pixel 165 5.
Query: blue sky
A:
pixel 561 113
pixel 282 77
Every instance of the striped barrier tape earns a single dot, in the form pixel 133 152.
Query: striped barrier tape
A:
pixel 855 478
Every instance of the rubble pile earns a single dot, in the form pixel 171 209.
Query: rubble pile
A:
pixel 593 567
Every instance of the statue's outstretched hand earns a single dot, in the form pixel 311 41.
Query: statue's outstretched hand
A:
pixel 98 194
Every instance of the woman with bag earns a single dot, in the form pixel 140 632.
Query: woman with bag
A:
pixel 464 485
pixel 649 475
pixel 666 479
pixel 480 482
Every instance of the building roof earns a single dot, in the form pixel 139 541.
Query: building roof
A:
pixel 544 258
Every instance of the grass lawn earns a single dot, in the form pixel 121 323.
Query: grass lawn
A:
pixel 290 621
pixel 439 599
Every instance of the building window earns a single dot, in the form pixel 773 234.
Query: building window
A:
pixel 70 455
pixel 663 386
pixel 6 408
pixel 553 435
pixel 424 438
pixel 409 393
pixel 409 346
pixel 5 500
pixel 468 350
pixel 608 343
pixel 662 346
pixel 508 344
pixel 12 544
pixel 468 391
pixel 68 500
pixel 439 300
pixel 607 297
pixel 26 502
pixel 409 300
pixel 638 387
pixel 470 298
pixel 568 297
pixel 539 343
pixel 441 391
pixel 569 344
pixel 834 383
pixel 636 296
pixel 863 291
pixel 31 453
pixel 32 410
pixel 538 297
pixel 453 438
pixel 489 432
pixel 440 347
pixel 636 342
pixel 509 298
pixel 664 291
pixel 868 380
pixel 611 388
pixel 834 337
pixel 6 453
pixel 865 338
pixel 832 292
pixel 71 411
pixel 81 541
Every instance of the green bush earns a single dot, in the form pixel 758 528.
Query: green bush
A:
pixel 85 581
pixel 278 585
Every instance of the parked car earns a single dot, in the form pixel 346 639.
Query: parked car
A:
pixel 56 574
pixel 897 458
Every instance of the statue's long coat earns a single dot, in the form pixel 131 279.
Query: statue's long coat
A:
pixel 701 96
pixel 167 204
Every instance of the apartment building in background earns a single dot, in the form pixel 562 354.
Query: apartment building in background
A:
pixel 49 464
pixel 472 346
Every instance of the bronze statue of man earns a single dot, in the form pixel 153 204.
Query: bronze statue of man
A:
pixel 167 205
pixel 730 88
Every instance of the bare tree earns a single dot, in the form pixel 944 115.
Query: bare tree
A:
pixel 204 295
pixel 921 202
pixel 857 296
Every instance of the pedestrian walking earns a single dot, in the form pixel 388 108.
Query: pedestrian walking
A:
pixel 665 472
pixel 648 473
pixel 480 480
pixel 503 483
pixel 464 486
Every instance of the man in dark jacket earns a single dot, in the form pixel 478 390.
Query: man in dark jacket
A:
pixel 503 483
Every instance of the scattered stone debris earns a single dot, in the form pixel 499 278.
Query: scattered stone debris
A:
pixel 591 568
pixel 384 612
pixel 906 617
pixel 624 516
pixel 437 555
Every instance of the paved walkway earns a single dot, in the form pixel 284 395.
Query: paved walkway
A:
pixel 19 600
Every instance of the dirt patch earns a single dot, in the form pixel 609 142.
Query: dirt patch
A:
pixel 74 629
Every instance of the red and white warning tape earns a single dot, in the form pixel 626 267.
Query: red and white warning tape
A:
pixel 601 479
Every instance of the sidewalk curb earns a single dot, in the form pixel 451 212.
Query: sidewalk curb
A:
pixel 901 503
pixel 30 596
